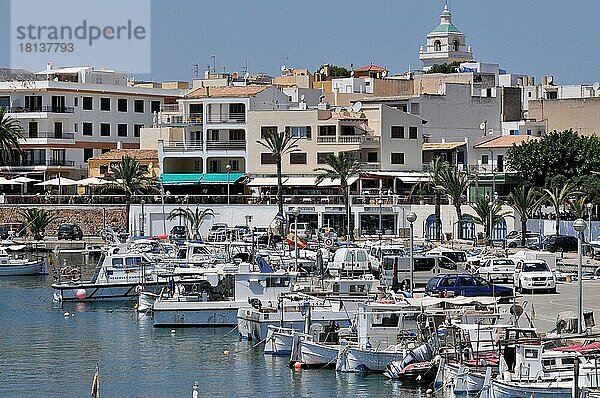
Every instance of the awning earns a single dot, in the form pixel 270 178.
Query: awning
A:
pixel 442 146
pixel 300 182
pixel 198 178
pixel 328 182
pixel 265 182
pixel 405 177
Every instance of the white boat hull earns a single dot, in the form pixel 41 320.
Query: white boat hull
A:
pixel 146 300
pixel 515 389
pixel 25 268
pixel 197 313
pixel 91 291
pixel 318 354
pixel 354 359
pixel 278 341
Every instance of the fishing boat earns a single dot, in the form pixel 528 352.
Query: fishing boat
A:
pixel 418 366
pixel 118 276
pixel 321 346
pixel 14 265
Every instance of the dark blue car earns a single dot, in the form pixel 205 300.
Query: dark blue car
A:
pixel 465 285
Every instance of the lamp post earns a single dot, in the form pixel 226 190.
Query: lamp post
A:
pixel 380 221
pixel 228 168
pixel 295 213
pixel 580 226
pixel 143 218
pixel 590 206
pixel 411 217
pixel 248 221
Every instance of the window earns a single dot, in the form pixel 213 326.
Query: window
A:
pixel 105 129
pixel 138 106
pixel 33 129
pixel 235 165
pixel 397 131
pixel 117 262
pixel 265 131
pixel 87 128
pixel 122 130
pixel 485 159
pixel 76 101
pixel 155 106
pixel 437 46
pixel 122 104
pixel 327 131
pixel 415 108
pixel 323 156
pixel 87 153
pixel 104 169
pixel 448 282
pixel 267 158
pixel 412 133
pixel 197 165
pixel 75 127
pixel 397 158
pixel 299 131
pixel 298 158
pixel 466 281
pixel 528 131
pixel 236 109
pixel 136 129
pixel 455 45
pixel 104 150
pixel 372 157
pixel 88 103
pixel 105 104
pixel 237 135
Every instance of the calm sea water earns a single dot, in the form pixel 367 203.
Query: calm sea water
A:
pixel 45 354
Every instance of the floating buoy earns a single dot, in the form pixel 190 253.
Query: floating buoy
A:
pixel 135 306
pixel 429 392
pixel 81 294
pixel 66 314
pixel 226 352
pixel 297 365
pixel 172 331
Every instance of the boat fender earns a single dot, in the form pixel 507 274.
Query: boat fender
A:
pixel 138 289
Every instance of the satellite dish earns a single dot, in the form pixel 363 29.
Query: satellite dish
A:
pixel 234 75
pixel 283 68
pixel 337 109
pixel 246 75
pixel 150 166
pixel 302 97
pixel 550 79
pixel 357 106
pixel 596 86
pixel 483 125
pixel 384 73
pixel 352 73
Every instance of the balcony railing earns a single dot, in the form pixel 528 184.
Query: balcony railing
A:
pixel 45 108
pixel 170 108
pixel 326 139
pixel 45 162
pixel 371 166
pixel 237 145
pixel 229 118
pixel 183 146
pixel 192 118
pixel 349 139
pixel 49 134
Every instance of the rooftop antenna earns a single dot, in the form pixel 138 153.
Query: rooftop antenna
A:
pixel 244 68
pixel 213 60
pixel 196 71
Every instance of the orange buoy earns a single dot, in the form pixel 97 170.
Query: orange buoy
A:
pixel 297 365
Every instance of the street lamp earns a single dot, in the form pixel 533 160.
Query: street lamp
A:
pixel 590 206
pixel 295 213
pixel 143 218
pixel 228 168
pixel 248 221
pixel 580 226
pixel 411 217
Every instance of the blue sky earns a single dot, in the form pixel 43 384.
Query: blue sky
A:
pixel 533 37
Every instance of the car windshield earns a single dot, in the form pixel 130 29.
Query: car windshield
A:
pixel 535 267
pixel 457 257
pixel 390 252
pixel 65 228
pixel 504 261
pixel 433 282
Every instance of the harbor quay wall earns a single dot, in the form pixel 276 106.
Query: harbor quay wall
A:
pixel 91 219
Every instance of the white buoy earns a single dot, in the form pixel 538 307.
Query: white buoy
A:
pixel 429 392
pixel 66 314
pixel 172 331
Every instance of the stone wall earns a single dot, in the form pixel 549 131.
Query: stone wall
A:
pixel 91 219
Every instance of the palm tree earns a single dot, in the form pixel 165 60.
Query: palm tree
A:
pixel 557 197
pixel 10 132
pixel 341 167
pixel 526 202
pixel 129 177
pixel 436 168
pixel 193 218
pixel 454 183
pixel 484 211
pixel 578 206
pixel 280 144
pixel 36 220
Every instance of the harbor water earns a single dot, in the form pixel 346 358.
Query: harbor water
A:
pixel 44 353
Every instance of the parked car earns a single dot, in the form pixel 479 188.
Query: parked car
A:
pixel 303 229
pixel 349 261
pixel 534 275
pixel 69 232
pixel 10 229
pixel 465 285
pixel 457 256
pixel 424 268
pixel 178 232
pixel 494 269
pixel 531 238
pixel 560 243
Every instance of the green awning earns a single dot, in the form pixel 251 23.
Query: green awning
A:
pixel 198 178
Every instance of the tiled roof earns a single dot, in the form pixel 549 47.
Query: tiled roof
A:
pixel 505 141
pixel 117 154
pixel 370 68
pixel 226 91
pixel 442 146
pixel 445 28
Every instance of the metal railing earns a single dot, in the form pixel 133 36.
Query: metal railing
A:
pixel 44 108
pixel 226 145
pixel 227 118
pixel 357 139
pixel 371 166
pixel 192 118
pixel 50 162
pixel 49 134
pixel 326 139
pixel 171 108
pixel 183 146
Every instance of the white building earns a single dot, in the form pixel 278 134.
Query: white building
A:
pixel 73 114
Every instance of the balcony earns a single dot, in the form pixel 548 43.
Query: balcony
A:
pixel 179 120
pixel 183 146
pixel 349 139
pixel 371 166
pixel 49 134
pixel 45 108
pixel 237 145
pixel 326 140
pixel 44 162
pixel 171 108
pixel 230 118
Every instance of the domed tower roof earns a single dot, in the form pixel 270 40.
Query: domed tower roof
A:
pixel 446 22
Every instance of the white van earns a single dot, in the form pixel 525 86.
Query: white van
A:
pixel 457 256
pixel 425 267
pixel 378 253
pixel 349 261
pixel 534 275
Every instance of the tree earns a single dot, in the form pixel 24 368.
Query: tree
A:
pixel 557 197
pixel 484 211
pixel 341 166
pixel 444 68
pixel 578 206
pixel 279 144
pixel 131 178
pixel 10 132
pixel 454 184
pixel 193 218
pixel 36 221
pixel 433 184
pixel 337 71
pixel 526 202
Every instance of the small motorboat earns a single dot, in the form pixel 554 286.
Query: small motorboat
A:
pixel 21 266
pixel 417 367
